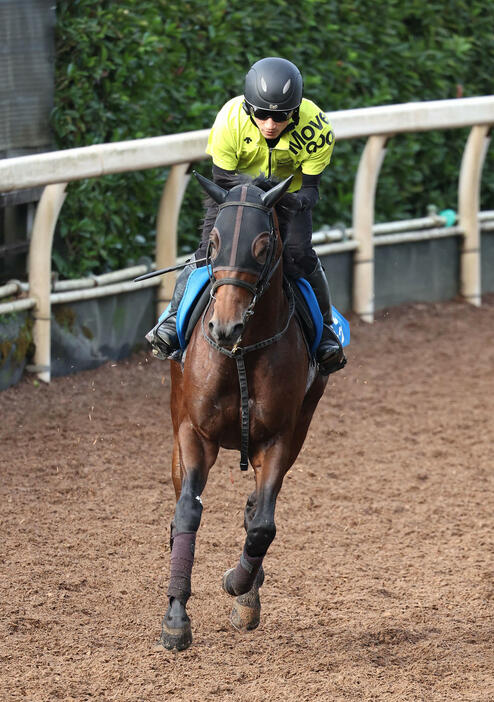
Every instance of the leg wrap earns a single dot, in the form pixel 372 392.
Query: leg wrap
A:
pixel 245 573
pixel 182 560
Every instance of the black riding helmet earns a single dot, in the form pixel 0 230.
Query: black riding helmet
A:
pixel 273 84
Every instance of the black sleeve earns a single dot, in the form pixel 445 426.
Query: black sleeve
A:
pixel 222 177
pixel 308 194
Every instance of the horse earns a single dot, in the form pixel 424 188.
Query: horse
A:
pixel 247 382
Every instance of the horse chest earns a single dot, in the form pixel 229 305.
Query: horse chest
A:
pixel 215 409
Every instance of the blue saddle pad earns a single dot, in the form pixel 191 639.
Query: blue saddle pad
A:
pixel 340 326
pixel 315 312
pixel 199 279
pixel 196 283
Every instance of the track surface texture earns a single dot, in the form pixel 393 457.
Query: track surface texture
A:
pixel 379 584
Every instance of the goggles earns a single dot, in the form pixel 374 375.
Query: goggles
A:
pixel 281 116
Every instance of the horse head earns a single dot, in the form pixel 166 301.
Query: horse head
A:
pixel 245 251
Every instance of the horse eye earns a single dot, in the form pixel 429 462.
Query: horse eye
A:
pixel 214 243
pixel 260 247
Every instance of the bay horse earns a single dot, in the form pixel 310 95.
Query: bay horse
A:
pixel 247 382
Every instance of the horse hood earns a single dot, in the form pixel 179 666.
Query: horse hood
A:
pixel 241 220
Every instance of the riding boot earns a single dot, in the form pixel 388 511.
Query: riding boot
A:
pixel 163 337
pixel 329 354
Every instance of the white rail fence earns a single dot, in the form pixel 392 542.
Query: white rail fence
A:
pixel 55 170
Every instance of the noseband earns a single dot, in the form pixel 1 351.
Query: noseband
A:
pixel 257 290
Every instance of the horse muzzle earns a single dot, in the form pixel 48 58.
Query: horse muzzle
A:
pixel 225 333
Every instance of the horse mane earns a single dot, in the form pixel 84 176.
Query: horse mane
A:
pixel 229 181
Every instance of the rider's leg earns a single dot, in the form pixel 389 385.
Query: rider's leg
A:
pixel 163 337
pixel 303 261
pixel 329 354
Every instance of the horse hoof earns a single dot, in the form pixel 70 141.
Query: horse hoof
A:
pixel 176 639
pixel 176 632
pixel 244 618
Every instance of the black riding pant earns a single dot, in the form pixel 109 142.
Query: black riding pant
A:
pixel 299 259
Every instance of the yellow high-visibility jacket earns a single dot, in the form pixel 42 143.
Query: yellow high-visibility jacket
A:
pixel 236 144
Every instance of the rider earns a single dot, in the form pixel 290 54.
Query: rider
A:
pixel 271 130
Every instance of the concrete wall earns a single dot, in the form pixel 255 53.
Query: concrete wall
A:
pixel 419 271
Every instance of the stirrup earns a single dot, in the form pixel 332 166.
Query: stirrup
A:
pixel 332 363
pixel 164 339
pixel 330 355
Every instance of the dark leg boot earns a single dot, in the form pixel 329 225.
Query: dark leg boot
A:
pixel 163 337
pixel 329 354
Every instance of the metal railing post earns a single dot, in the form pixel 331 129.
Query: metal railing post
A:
pixel 363 219
pixel 166 229
pixel 468 209
pixel 39 267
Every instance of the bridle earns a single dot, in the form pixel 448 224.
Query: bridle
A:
pixel 257 289
pixel 268 269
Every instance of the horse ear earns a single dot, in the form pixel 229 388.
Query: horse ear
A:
pixel 270 198
pixel 215 191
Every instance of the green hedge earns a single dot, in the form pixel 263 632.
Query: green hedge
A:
pixel 133 69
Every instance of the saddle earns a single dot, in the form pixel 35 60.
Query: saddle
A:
pixel 308 314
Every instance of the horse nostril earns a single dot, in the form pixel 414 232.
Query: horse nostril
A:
pixel 215 331
pixel 225 334
pixel 237 330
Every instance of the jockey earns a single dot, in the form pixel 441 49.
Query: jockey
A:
pixel 271 130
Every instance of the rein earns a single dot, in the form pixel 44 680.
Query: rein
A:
pixel 238 352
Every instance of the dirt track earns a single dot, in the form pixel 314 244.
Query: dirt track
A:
pixel 379 585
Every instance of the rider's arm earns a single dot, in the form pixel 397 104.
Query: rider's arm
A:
pixel 223 138
pixel 303 199
pixel 222 177
pixel 317 158
pixel 308 195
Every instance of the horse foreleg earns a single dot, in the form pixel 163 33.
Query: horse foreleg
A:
pixel 248 576
pixel 246 610
pixel 239 580
pixel 197 458
pixel 176 631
